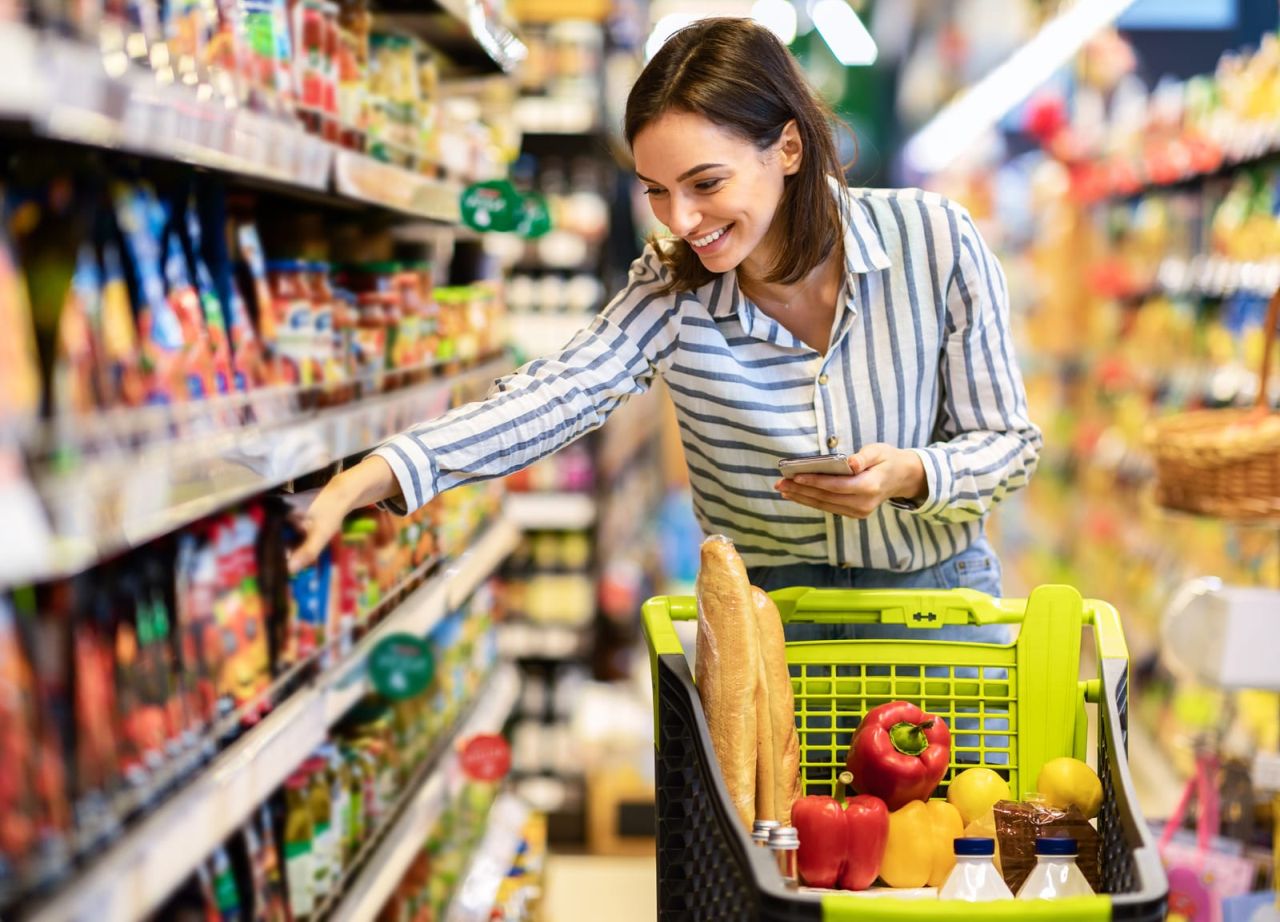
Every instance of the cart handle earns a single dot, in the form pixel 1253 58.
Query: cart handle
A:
pixel 887 606
pixel 914 608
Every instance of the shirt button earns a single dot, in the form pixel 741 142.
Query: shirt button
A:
pixel 822 379
pixel 832 441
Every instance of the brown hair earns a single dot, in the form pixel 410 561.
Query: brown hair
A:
pixel 738 75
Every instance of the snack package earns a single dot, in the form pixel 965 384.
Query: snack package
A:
pixel 246 351
pixel 159 329
pixel 19 365
pixel 1018 825
pixel 241 617
pixel 74 379
pixel 18 754
pixel 215 318
pixel 46 631
pixel 165 653
pixel 195 589
pixel 184 301
pixel 119 362
pixel 97 758
pixel 260 835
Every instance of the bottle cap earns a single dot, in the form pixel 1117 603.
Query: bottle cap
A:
pixel 784 837
pixel 1056 845
pixel 975 845
pixel 761 829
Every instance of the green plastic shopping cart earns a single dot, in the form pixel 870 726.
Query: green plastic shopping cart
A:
pixel 1024 700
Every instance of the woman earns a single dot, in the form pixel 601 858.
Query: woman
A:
pixel 788 316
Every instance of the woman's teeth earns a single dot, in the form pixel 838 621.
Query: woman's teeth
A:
pixel 710 238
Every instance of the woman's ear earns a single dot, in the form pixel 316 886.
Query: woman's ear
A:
pixel 790 148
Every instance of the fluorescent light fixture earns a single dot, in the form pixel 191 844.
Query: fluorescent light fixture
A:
pixel 960 124
pixel 778 16
pixel 664 28
pixel 844 32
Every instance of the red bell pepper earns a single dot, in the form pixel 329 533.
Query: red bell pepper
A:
pixel 899 753
pixel 840 845
pixel 866 823
pixel 819 822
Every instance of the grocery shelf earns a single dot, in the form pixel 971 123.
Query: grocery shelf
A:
pixel 360 177
pixel 124 499
pixel 473 900
pixel 1217 276
pixel 420 612
pixel 551 511
pixel 474 37
pixel 63 89
pixel 528 640
pixel 556 115
pixel 386 865
pixel 138 872
pixel 1260 150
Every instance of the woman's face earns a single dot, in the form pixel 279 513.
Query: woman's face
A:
pixel 714 189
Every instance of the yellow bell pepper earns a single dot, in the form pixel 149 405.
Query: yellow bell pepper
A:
pixel 947 827
pixel 920 852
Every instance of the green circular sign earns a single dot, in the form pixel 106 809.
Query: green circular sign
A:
pixel 491 206
pixel 401 666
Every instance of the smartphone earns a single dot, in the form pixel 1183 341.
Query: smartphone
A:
pixel 815 464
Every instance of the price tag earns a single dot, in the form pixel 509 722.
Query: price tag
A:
pixel 486 757
pixel 491 206
pixel 401 666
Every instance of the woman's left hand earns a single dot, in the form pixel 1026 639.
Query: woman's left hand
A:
pixel 876 473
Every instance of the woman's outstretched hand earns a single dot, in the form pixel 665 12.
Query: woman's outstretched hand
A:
pixel 370 481
pixel 877 473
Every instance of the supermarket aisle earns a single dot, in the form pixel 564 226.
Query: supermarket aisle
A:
pixel 579 887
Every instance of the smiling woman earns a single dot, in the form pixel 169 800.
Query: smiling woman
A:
pixel 720 80
pixel 788 315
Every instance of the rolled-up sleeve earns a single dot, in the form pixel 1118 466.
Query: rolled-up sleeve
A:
pixel 985 445
pixel 547 403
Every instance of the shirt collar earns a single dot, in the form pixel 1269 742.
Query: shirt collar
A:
pixel 863 252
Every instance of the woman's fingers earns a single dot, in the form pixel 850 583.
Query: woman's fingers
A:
pixel 318 524
pixel 313 542
pixel 838 503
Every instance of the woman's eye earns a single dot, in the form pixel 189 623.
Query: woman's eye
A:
pixel 708 185
pixel 649 190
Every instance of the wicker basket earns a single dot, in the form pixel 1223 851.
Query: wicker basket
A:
pixel 1224 463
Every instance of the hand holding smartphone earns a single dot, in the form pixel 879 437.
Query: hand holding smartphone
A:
pixel 837 464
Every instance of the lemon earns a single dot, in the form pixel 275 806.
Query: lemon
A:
pixel 975 791
pixel 1068 782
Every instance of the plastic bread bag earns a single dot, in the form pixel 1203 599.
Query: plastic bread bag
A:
pixel 1018 825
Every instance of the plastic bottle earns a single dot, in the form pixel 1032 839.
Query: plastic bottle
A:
pixel 1055 874
pixel 975 879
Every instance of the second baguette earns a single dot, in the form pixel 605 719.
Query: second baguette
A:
pixel 779 702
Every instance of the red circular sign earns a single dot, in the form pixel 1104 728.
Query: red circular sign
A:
pixel 486 757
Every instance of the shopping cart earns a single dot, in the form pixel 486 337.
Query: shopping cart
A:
pixel 1025 703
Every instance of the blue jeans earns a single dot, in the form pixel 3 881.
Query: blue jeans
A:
pixel 976 567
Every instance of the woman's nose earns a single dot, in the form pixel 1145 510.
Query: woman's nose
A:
pixel 684 217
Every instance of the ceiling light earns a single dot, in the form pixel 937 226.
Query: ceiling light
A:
pixel 778 16
pixel 961 123
pixel 844 33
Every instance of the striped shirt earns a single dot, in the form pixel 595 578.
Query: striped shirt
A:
pixel 920 357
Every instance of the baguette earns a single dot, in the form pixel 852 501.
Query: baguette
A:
pixel 780 758
pixel 728 669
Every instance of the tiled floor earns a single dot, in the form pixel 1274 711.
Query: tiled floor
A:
pixel 587 888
